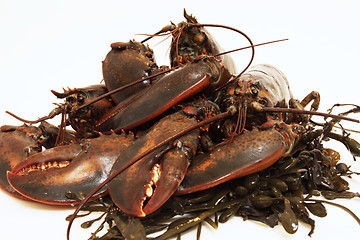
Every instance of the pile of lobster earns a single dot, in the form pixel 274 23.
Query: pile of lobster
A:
pixel 153 133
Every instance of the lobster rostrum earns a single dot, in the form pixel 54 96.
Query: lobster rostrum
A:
pixel 166 158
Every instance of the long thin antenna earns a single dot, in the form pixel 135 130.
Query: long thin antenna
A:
pixel 255 45
pixel 235 30
pixel 300 111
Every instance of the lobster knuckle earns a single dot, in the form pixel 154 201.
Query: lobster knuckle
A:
pixel 124 64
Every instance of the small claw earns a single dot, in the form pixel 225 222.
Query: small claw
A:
pixel 47 176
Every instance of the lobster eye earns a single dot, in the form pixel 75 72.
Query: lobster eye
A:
pixel 81 98
pixel 254 90
pixel 237 91
pixel 297 129
pixel 71 99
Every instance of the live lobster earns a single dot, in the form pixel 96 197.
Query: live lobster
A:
pixel 162 148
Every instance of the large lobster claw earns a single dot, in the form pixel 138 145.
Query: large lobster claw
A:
pixel 189 80
pixel 46 176
pixel 247 153
pixel 146 185
pixel 16 143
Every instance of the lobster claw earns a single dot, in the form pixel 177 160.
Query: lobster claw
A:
pixel 148 184
pixel 16 143
pixel 189 80
pixel 46 176
pixel 245 154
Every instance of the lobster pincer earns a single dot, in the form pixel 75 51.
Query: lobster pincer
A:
pixel 188 80
pixel 78 167
pixel 19 142
pixel 249 152
pixel 16 143
pixel 146 185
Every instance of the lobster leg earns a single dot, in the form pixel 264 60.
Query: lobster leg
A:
pixel 146 185
pixel 76 167
pixel 247 153
pixel 182 83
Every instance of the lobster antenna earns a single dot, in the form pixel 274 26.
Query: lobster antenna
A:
pixel 134 160
pixel 27 121
pixel 235 30
pixel 51 115
pixel 300 111
pixel 167 28
pixel 255 45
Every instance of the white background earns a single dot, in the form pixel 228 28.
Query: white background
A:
pixel 53 44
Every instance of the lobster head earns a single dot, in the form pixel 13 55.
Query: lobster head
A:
pixel 83 120
pixel 257 88
pixel 190 41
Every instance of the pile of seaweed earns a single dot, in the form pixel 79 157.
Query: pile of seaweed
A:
pixel 292 190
